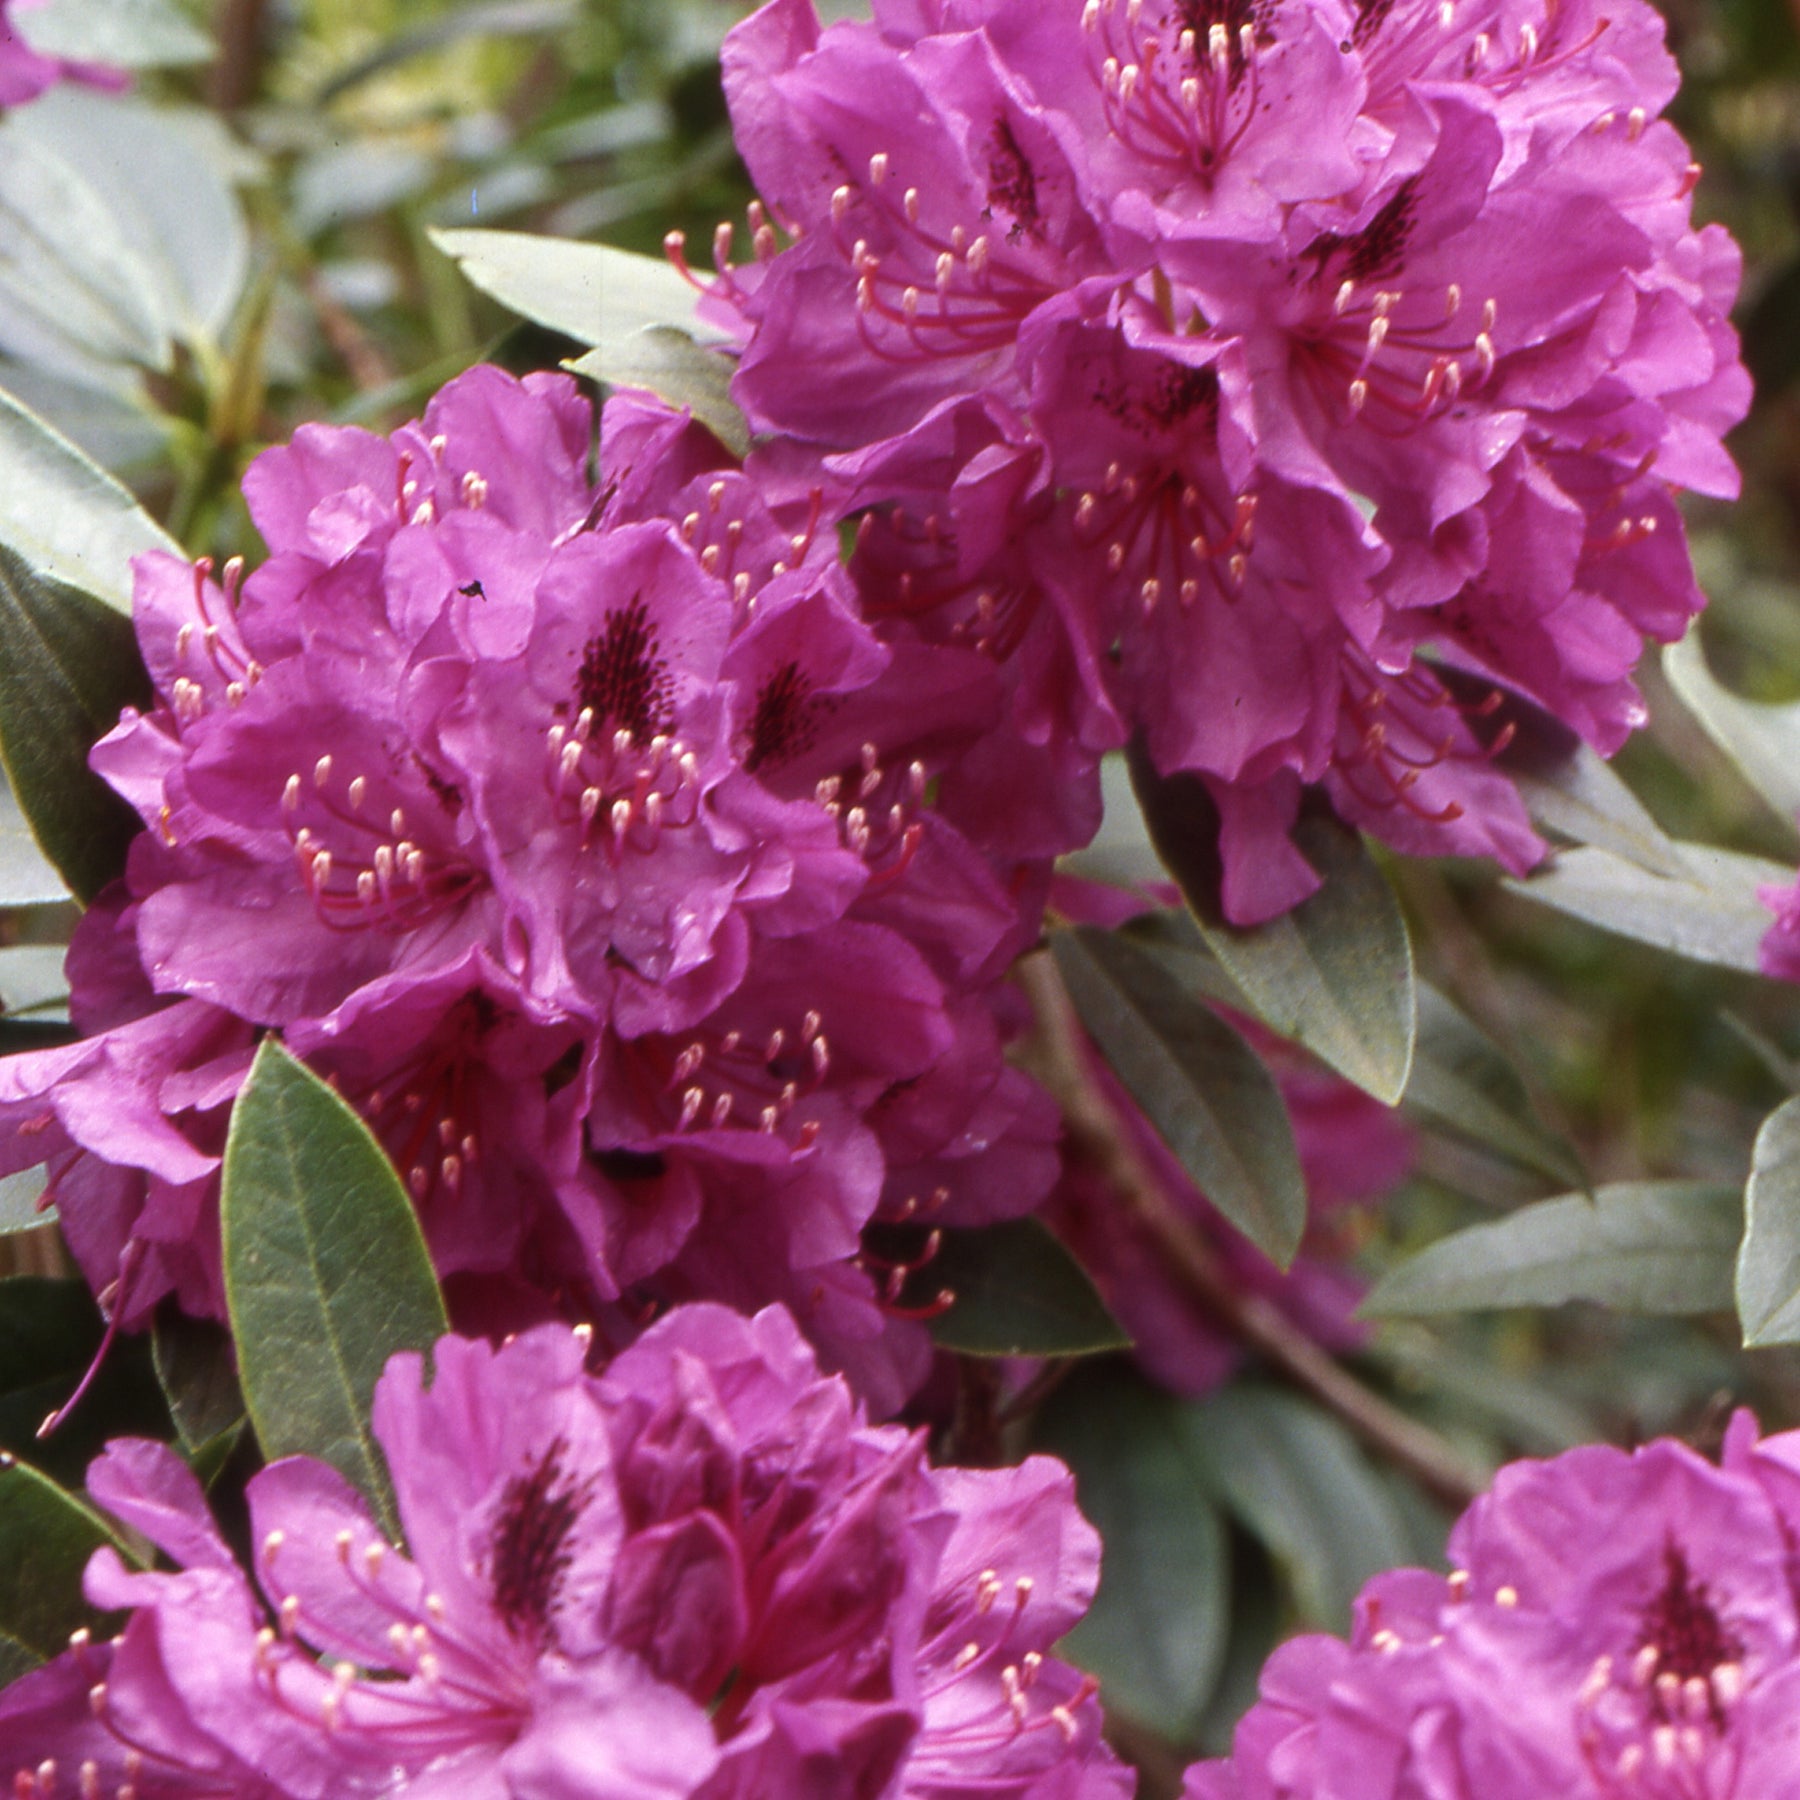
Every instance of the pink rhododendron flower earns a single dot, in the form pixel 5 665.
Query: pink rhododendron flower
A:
pixel 1779 953
pixel 1616 1627
pixel 26 73
pixel 1285 384
pixel 699 1575
pixel 581 832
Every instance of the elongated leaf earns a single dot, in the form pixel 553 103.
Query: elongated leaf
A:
pixel 19 1197
pixel 1768 1270
pixel 165 176
pixel 1336 973
pixel 1711 916
pixel 198 1375
pixel 326 1272
pixel 15 1660
pixel 124 34
pixel 676 369
pixel 1015 1291
pixel 46 1538
pixel 1295 1479
pixel 481 18
pixel 67 666
pixel 1463 1083
pixel 32 982
pixel 27 876
pixel 1570 791
pixel 1156 1633
pixel 1762 740
pixel 1639 1246
pixel 1471 1388
pixel 591 292
pixel 66 516
pixel 65 257
pixel 1199 1084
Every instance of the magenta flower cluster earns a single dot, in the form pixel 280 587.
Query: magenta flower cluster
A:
pixel 698 1576
pixel 1615 1627
pixel 580 834
pixel 1285 384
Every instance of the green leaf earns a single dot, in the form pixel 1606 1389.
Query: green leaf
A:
pixel 676 369
pixel 125 34
pixel 16 1660
pixel 19 1197
pixel 1472 1391
pixel 1463 1083
pixel 32 982
pixel 1156 1633
pixel 1335 973
pixel 64 514
pixel 46 1538
pixel 27 876
pixel 326 1271
pixel 1570 791
pixel 1206 1092
pixel 198 1375
pixel 66 260
pixel 1768 1269
pixel 1295 1479
pixel 478 19
pixel 68 664
pixel 1762 740
pixel 1711 915
pixel 1261 1616
pixel 165 176
pixel 51 1333
pixel 1015 1291
pixel 1638 1246
pixel 591 292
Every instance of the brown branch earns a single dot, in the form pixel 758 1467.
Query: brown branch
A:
pixel 1097 1133
pixel 237 71
pixel 353 346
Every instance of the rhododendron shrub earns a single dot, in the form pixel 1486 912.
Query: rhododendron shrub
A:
pixel 629 1060
pixel 579 833
pixel 1613 1624
pixel 700 1573
pixel 1285 385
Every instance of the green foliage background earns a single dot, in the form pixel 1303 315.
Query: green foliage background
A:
pixel 317 144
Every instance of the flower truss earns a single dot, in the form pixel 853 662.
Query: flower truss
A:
pixel 1281 383
pixel 580 833
pixel 699 1574
pixel 1615 1627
